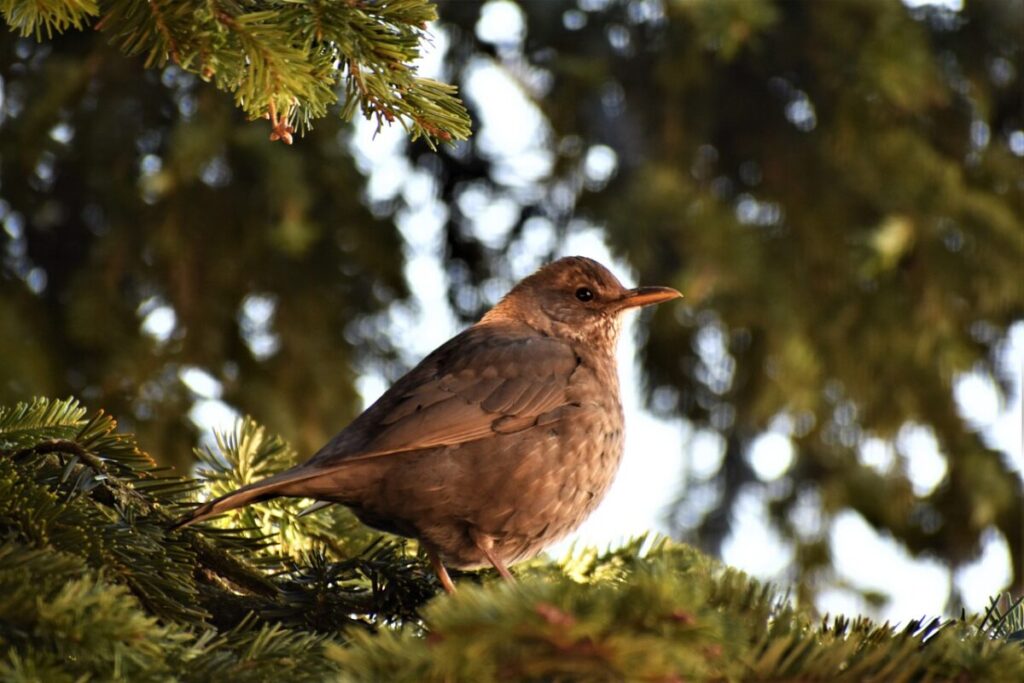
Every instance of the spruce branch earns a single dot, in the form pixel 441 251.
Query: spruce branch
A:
pixel 35 17
pixel 96 588
pixel 1004 618
pixel 171 46
pixel 288 61
pixel 79 486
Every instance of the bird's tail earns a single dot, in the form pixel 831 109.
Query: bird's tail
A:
pixel 271 487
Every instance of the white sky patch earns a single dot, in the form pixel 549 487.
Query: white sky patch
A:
pixel 1016 140
pixel 422 222
pixel 926 466
pixel 493 216
pixel 988 575
pixel 378 156
pixel 953 5
pixel 1000 422
pixel 878 454
pixel 916 587
pixel 62 133
pixel 256 322
pixel 370 386
pixel 430 323
pixel 754 546
pixel 705 451
pixel 210 415
pixel 524 254
pixel 501 23
pixel 158 319
pixel 599 165
pixel 419 189
pixel 200 382
pixel 432 52
pixel 771 455
pixel 511 130
pixel 806 516
pixel 388 176
pixel 836 601
pixel 977 399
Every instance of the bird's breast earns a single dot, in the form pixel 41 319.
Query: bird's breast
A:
pixel 540 484
pixel 524 489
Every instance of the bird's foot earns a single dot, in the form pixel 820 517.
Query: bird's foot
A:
pixel 486 545
pixel 439 569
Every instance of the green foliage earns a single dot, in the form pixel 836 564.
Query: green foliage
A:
pixel 96 585
pixel 96 588
pixel 251 453
pixel 661 623
pixel 49 17
pixel 162 199
pixel 1005 618
pixel 277 57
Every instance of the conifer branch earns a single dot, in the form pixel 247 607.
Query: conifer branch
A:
pixel 97 588
pixel 280 56
pixel 161 25
pixel 36 17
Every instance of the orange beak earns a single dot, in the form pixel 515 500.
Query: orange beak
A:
pixel 646 296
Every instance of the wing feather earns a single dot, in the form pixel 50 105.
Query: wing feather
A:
pixel 489 380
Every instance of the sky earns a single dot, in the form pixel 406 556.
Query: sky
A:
pixel 660 454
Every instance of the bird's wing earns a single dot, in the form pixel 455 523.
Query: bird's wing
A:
pixel 491 379
pixel 483 382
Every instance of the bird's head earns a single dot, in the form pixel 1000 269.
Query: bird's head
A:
pixel 575 298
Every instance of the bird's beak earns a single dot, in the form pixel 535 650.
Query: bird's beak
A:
pixel 645 296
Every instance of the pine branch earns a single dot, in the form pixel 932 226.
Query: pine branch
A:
pixel 94 494
pixel 284 60
pixel 36 17
pixel 95 587
pixel 26 423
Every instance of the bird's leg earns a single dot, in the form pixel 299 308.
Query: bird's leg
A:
pixel 486 545
pixel 442 573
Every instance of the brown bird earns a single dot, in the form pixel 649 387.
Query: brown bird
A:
pixel 501 441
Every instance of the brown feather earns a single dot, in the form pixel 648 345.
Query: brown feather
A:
pixel 447 400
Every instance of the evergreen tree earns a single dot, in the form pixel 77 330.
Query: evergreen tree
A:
pixel 128 193
pixel 280 60
pixel 96 588
pixel 835 186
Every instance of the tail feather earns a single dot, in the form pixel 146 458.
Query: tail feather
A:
pixel 271 487
pixel 282 484
pixel 319 505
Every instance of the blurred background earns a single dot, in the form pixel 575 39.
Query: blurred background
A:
pixel 837 188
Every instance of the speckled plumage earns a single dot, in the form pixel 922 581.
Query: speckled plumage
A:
pixel 498 443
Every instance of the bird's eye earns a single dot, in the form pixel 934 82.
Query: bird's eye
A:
pixel 584 294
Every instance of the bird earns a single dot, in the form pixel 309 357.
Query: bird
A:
pixel 499 442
